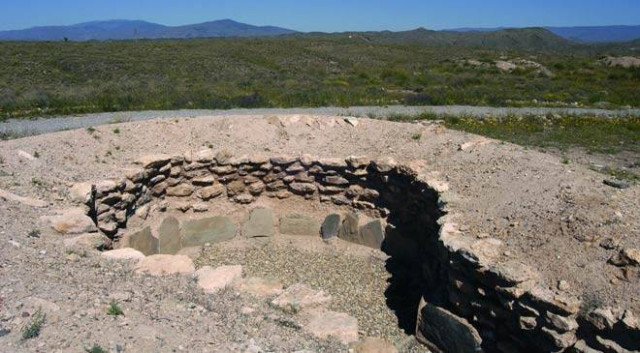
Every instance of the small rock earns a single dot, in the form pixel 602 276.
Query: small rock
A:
pixel 211 192
pixel 610 243
pixel 300 296
pixel 200 207
pixel 616 184
pixel 161 265
pixel 373 345
pixel 352 121
pixel 261 287
pixel 563 285
pixel 213 280
pixel 323 324
pixel 153 161
pixel 244 199
pixel 626 257
pixel 123 254
pixel 180 190
pixel 81 193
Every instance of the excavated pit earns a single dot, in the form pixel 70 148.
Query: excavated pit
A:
pixel 447 289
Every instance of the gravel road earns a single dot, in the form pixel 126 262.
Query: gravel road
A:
pixel 36 126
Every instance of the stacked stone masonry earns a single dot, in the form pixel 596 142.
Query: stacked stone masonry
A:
pixel 472 301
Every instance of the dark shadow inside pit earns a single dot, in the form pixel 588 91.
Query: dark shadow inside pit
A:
pixel 410 241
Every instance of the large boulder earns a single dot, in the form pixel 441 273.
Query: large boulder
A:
pixel 86 243
pixel 71 221
pixel 162 265
pixel 81 193
pixel 207 230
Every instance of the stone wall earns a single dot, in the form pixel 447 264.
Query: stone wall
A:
pixel 470 300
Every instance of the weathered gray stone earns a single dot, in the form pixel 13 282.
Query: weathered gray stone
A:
pixel 562 323
pixel 223 157
pixel 283 160
pixel 349 230
pixel 340 200
pixel 358 161
pixel 299 224
pixel 169 241
pixel 510 273
pixel 144 241
pixel 335 180
pixel 86 243
pixel 442 330
pixel 207 230
pixel 302 188
pixel 260 224
pixel 236 187
pixel 560 340
pixel 372 234
pixel 331 226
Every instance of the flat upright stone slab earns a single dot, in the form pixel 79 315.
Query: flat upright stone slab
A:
pixel 164 265
pixel 324 323
pixel 331 226
pixel 213 280
pixel 299 224
pixel 440 329
pixel 144 241
pixel 372 234
pixel 349 230
pixel 300 296
pixel 207 230
pixel 261 287
pixel 260 224
pixel 123 254
pixel 169 241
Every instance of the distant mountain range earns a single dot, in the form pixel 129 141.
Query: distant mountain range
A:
pixel 493 37
pixel 593 34
pixel 129 29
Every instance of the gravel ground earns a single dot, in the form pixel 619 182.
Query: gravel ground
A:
pixel 332 271
pixel 41 125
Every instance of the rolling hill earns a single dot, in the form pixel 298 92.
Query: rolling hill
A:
pixel 128 29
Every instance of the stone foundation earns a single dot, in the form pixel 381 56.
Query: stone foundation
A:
pixel 467 297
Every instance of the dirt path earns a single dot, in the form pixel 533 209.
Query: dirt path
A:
pixel 36 126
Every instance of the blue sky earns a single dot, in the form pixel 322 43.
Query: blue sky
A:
pixel 328 15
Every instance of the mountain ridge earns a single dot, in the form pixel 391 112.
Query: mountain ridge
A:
pixel 122 29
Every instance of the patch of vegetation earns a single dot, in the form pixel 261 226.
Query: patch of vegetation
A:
pixel 596 134
pixel 96 349
pixel 116 131
pixel 416 136
pixel 33 327
pixel 114 309
pixel 297 71
pixel 620 174
pixel 34 233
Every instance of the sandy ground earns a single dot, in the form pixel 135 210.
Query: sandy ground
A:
pixel 550 215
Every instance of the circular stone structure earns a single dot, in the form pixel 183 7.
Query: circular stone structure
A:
pixel 461 296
